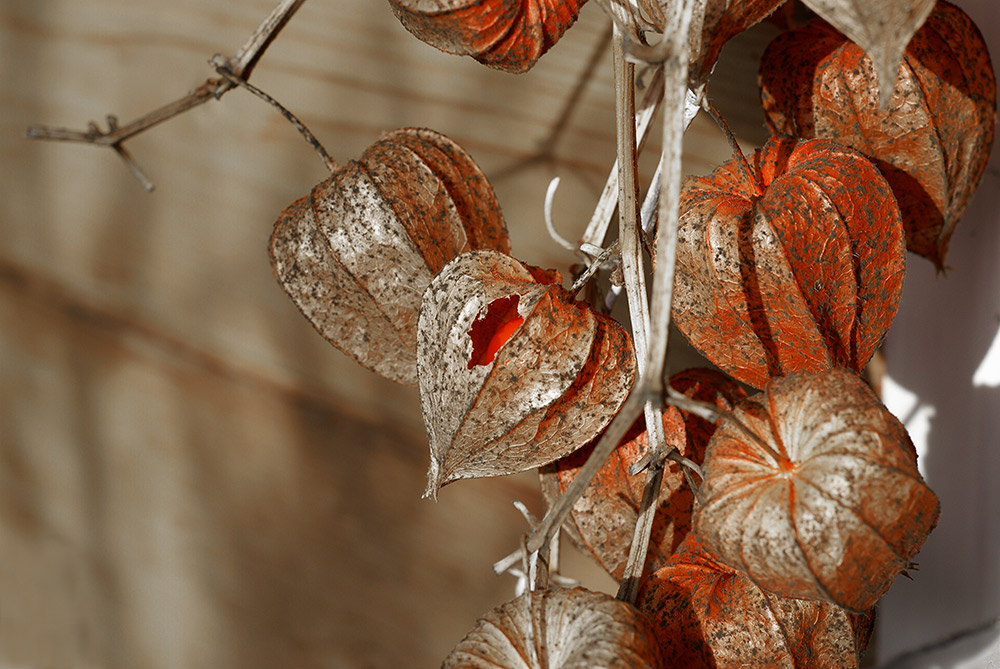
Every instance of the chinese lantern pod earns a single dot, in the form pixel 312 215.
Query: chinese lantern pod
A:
pixel 509 35
pixel 357 253
pixel 555 379
pixel 559 627
pixel 705 614
pixel 793 264
pixel 812 491
pixel 931 142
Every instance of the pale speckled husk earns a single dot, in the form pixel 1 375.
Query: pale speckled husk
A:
pixel 839 512
pixel 552 387
pixel 357 253
pixel 558 628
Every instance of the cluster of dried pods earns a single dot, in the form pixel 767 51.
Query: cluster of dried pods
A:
pixel 789 271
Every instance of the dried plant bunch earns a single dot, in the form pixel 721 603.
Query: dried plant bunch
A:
pixel 789 269
pixel 931 141
pixel 498 399
pixel 357 253
pixel 812 491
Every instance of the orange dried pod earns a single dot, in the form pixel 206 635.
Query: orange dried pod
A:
pixel 795 266
pixel 815 492
pixel 357 253
pixel 557 374
pixel 508 35
pixel 932 141
pixel 558 627
pixel 705 614
pixel 602 521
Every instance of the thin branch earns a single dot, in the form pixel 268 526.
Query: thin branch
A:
pixel 597 228
pixel 246 59
pixel 117 134
pixel 241 65
pixel 733 144
pixel 613 434
pixel 592 269
pixel 628 204
pixel 222 68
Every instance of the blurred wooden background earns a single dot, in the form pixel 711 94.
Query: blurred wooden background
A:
pixel 189 475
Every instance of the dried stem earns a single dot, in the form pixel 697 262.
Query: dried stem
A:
pixel 240 66
pixel 675 95
pixel 601 219
pixel 731 138
pixel 628 590
pixel 650 384
pixel 628 202
pixel 635 289
pixel 592 269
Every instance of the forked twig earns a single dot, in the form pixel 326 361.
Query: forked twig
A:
pixel 240 66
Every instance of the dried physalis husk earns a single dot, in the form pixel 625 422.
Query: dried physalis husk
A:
pixel 508 35
pixel 931 142
pixel 357 253
pixel 558 628
pixel 705 614
pixel 514 373
pixel 882 29
pixel 603 520
pixel 793 265
pixel 815 491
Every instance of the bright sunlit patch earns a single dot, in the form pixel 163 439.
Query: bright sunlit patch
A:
pixel 915 415
pixel 988 372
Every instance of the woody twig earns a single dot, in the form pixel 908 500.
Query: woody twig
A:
pixel 240 66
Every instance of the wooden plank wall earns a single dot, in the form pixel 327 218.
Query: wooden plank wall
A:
pixel 189 476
